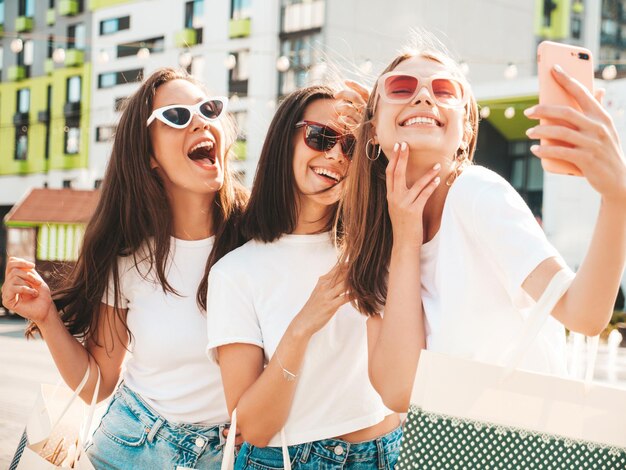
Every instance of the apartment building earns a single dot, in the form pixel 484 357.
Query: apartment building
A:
pixel 255 52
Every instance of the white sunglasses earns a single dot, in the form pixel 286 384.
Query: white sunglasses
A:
pixel 179 116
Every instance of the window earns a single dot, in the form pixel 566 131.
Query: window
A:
pixel 110 79
pixel 238 75
pixel 23 100
pixel 194 11
pixel 302 15
pixel 1 60
pixel 240 9
pixel 74 89
pixel 51 4
pixel 1 11
pixel 50 47
pixel 72 140
pixel 104 133
pixel 48 108
pixel 114 25
pixel 26 8
pixel 131 48
pixel 76 36
pixel 21 131
pixel 526 175
pixel 303 52
pixel 67 184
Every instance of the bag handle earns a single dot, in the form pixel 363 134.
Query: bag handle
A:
pixel 77 391
pixel 228 460
pixel 537 317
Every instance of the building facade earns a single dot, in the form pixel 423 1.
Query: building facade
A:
pixel 62 88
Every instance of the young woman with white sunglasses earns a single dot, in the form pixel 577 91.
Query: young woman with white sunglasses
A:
pixel 167 213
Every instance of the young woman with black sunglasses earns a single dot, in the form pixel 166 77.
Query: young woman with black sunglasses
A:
pixel 292 351
pixel 167 213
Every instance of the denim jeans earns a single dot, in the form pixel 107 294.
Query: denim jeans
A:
pixel 133 436
pixel 327 454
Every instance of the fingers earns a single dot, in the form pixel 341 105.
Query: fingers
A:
pixel 562 134
pixel 578 157
pixel 599 95
pixel 399 175
pixel 19 263
pixel 425 184
pixel 390 171
pixel 362 90
pixel 580 93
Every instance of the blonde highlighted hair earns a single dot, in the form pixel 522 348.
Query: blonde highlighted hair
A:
pixel 368 237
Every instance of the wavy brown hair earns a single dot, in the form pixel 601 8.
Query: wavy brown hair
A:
pixel 133 213
pixel 368 236
pixel 273 209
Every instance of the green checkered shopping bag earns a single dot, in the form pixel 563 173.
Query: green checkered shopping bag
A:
pixel 466 414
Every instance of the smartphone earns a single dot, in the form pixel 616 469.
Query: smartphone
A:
pixel 577 62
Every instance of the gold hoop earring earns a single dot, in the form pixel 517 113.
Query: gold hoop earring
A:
pixel 369 144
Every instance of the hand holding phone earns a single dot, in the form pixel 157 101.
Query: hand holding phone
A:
pixel 576 62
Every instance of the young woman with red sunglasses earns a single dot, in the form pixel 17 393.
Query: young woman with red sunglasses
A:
pixel 167 213
pixel 292 351
pixel 417 212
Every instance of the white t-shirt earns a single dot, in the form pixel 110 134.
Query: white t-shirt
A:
pixel 255 292
pixel 168 366
pixel 472 273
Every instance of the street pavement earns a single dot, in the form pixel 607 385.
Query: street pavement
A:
pixel 24 365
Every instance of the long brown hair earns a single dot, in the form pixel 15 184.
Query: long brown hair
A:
pixel 272 210
pixel 368 236
pixel 133 210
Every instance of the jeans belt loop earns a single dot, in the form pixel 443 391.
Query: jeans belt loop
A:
pixel 306 451
pixel 155 428
pixel 380 446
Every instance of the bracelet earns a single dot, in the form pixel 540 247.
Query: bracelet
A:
pixel 289 376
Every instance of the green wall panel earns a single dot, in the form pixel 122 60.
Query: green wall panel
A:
pixel 96 4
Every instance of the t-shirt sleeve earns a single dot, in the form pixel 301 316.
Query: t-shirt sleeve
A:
pixel 510 237
pixel 231 316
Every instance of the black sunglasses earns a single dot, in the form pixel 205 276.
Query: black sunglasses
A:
pixel 322 138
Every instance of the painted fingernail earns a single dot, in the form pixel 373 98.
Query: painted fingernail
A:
pixel 558 68
pixel 396 146
pixel 437 166
pixel 437 181
pixel 530 131
pixel 534 148
pixel 403 146
pixel 530 111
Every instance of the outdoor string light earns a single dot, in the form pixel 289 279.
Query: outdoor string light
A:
pixel 17 45
pixel 230 61
pixel 282 64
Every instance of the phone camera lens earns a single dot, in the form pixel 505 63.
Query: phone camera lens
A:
pixel 583 56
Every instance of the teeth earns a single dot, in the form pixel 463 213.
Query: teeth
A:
pixel 206 143
pixel 330 174
pixel 420 120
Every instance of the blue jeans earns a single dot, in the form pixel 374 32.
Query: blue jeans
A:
pixel 327 454
pixel 133 436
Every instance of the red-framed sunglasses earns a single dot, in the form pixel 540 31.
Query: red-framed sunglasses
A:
pixel 322 138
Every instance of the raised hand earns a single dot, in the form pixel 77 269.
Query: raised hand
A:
pixel 24 291
pixel 352 102
pixel 330 293
pixel 590 139
pixel 406 205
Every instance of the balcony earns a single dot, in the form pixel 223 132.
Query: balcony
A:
pixel 51 16
pixel 71 110
pixel 239 28
pixel 23 24
pixel 20 119
pixel 74 57
pixel 43 116
pixel 48 66
pixel 186 37
pixel 16 73
pixel 68 7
